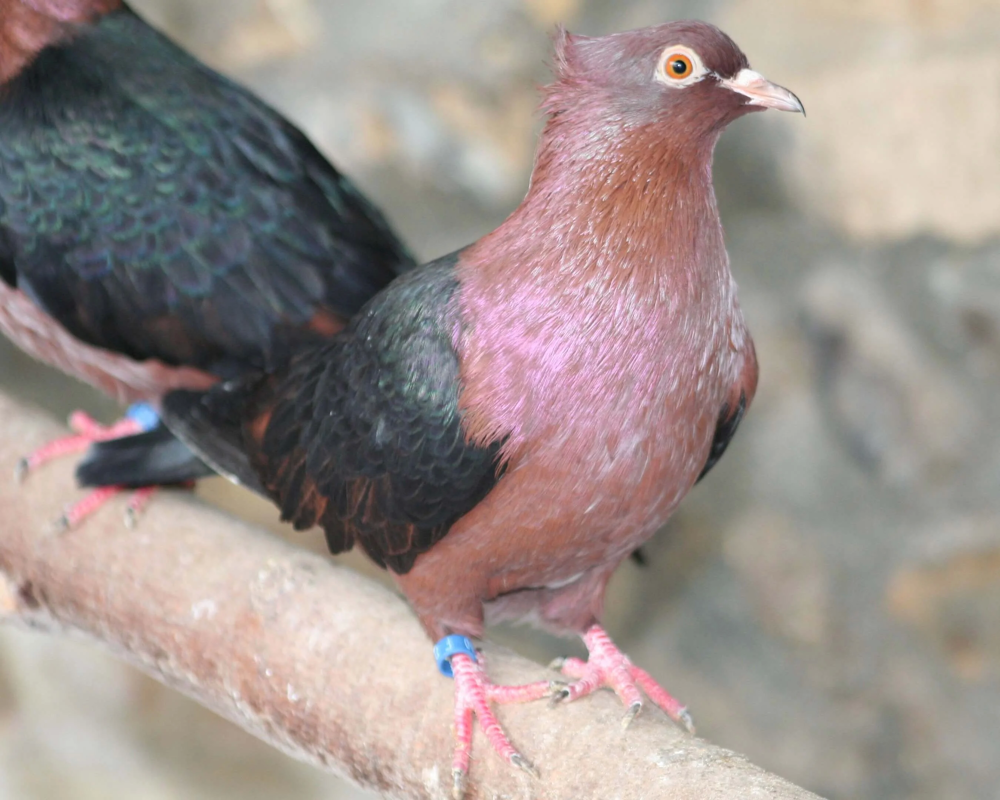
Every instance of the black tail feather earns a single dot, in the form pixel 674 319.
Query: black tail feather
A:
pixel 210 423
pixel 153 458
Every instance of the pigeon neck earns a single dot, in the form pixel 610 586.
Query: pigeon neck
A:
pixel 625 207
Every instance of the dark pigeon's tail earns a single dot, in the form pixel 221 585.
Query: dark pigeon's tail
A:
pixel 210 424
pixel 152 458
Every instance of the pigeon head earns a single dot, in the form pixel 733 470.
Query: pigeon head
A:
pixel 688 74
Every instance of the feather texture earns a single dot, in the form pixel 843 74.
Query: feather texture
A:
pixel 155 209
pixel 361 435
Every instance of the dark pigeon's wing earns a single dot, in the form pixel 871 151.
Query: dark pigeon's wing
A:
pixel 363 435
pixel 725 430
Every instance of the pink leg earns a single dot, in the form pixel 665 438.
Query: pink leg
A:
pixel 474 694
pixel 82 509
pixel 87 431
pixel 137 504
pixel 610 667
pixel 98 498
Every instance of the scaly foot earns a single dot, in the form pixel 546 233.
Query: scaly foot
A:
pixel 87 430
pixel 610 667
pixel 474 695
pixel 140 417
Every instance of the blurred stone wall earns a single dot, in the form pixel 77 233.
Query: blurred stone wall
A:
pixel 828 601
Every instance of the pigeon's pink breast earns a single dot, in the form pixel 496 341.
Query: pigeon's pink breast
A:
pixel 601 338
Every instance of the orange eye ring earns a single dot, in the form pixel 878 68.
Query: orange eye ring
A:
pixel 677 66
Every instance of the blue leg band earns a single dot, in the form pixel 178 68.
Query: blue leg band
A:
pixel 450 646
pixel 144 414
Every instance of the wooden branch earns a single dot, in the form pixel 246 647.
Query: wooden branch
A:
pixel 310 657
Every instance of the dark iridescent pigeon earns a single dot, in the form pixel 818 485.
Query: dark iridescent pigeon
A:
pixel 161 227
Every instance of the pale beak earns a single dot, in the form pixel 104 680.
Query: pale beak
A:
pixel 762 92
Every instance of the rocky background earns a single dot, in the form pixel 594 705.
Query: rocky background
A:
pixel 828 602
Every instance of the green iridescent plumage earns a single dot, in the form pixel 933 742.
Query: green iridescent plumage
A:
pixel 156 209
pixel 362 435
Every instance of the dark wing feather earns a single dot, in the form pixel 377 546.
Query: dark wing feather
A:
pixel 725 430
pixel 211 425
pixel 156 209
pixel 362 435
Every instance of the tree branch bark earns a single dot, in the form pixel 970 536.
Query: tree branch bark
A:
pixel 310 657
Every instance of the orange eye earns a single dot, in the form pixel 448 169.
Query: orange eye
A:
pixel 678 66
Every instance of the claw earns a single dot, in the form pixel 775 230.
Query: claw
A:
pixel 137 504
pixel 631 714
pixel 522 763
pixel 608 666
pixel 474 696
pixel 559 696
pixel 458 777
pixel 684 718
